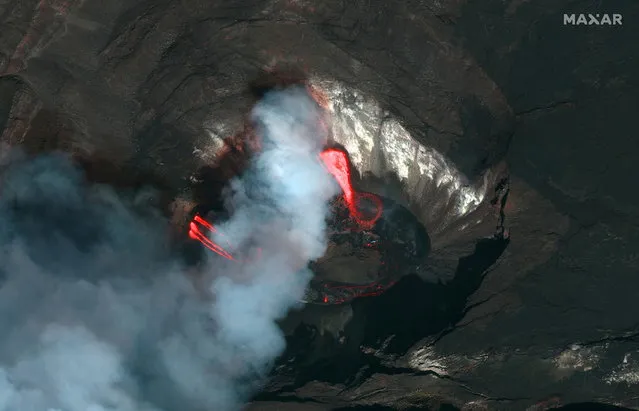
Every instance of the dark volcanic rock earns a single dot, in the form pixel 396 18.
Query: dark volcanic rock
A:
pixel 507 134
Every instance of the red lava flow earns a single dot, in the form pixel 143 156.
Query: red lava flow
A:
pixel 336 162
pixel 196 234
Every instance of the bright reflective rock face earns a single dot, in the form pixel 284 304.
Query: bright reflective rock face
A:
pixel 392 162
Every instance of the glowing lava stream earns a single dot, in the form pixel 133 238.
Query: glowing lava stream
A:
pixel 336 162
pixel 196 234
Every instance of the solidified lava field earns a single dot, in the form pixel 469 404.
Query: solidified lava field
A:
pixel 367 261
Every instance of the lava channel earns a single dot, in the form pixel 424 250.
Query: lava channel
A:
pixel 364 208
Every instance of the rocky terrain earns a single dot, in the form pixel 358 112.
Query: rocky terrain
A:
pixel 506 133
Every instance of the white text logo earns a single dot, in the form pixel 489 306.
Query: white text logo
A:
pixel 592 20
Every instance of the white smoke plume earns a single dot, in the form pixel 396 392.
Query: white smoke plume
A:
pixel 93 314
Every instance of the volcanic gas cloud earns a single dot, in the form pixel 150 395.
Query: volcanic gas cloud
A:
pixel 96 316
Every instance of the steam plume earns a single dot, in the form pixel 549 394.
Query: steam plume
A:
pixel 94 316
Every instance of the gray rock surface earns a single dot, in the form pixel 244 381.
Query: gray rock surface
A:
pixel 477 116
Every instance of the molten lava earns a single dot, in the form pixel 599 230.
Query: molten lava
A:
pixel 196 234
pixel 336 162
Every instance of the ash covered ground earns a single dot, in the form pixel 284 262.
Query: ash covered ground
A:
pixel 503 134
